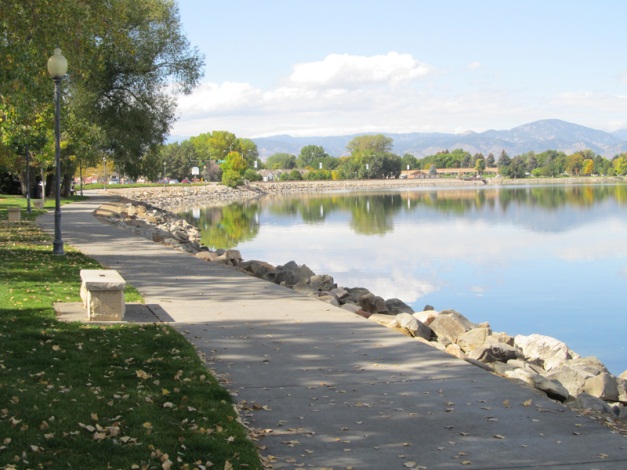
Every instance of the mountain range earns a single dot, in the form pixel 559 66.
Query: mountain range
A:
pixel 538 136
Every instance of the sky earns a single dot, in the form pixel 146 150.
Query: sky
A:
pixel 339 67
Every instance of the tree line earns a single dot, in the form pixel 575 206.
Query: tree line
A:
pixel 232 160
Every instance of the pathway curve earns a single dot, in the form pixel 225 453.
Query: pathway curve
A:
pixel 328 389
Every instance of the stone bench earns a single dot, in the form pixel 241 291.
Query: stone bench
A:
pixel 102 291
pixel 14 214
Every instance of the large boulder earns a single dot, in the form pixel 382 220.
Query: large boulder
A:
pixel 492 350
pixel 426 316
pixel 571 377
pixel 622 390
pixel 552 388
pixel 544 350
pixel 603 386
pixel 206 255
pixel 372 303
pixel 412 326
pixel 289 274
pixel 257 268
pixel 229 257
pixel 473 339
pixel 398 306
pixel 585 401
pixel 322 282
pixel 449 325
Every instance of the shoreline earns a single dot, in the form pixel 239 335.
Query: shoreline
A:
pixel 176 197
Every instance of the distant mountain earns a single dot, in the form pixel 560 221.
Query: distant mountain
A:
pixel 538 136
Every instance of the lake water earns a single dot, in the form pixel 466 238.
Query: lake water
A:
pixel 550 260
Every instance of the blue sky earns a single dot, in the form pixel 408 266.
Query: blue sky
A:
pixel 322 67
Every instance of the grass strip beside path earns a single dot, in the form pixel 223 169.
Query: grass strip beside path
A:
pixel 84 396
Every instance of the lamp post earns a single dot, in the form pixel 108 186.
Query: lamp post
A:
pixel 28 209
pixel 164 174
pixel 57 67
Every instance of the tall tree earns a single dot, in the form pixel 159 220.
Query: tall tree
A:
pixel 124 58
pixel 310 156
pixel 370 143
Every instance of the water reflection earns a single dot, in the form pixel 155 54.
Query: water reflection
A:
pixel 548 260
pixel 374 213
pixel 225 227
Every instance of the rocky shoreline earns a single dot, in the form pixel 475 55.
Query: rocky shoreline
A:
pixel 543 363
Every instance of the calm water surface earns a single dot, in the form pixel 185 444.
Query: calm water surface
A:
pixel 549 260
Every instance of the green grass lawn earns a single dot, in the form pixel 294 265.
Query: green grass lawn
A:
pixel 75 395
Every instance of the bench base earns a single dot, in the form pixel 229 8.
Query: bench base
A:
pixel 102 292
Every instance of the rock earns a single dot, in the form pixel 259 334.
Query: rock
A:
pixel 355 292
pixel 413 326
pixel 585 401
pixel 520 364
pixel 504 338
pixel 493 351
pixel 180 235
pixel 341 293
pixel 450 325
pixel 543 350
pixel 289 274
pixel 602 386
pixel 552 388
pixel 455 350
pixel 229 257
pixel 591 364
pixel 398 306
pixel 474 338
pixel 385 320
pixel 426 316
pixel 622 390
pixel 329 298
pixel 353 308
pixel 623 375
pixel 322 282
pixel 427 308
pixel 571 377
pixel 372 303
pixel 257 268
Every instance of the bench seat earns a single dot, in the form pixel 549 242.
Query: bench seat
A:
pixel 102 292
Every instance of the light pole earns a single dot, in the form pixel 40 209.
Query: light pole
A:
pixel 57 67
pixel 164 174
pixel 28 209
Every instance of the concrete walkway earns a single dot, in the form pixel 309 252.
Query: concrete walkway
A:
pixel 329 389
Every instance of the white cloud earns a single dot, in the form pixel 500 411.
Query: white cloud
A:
pixel 213 97
pixel 345 94
pixel 474 66
pixel 347 71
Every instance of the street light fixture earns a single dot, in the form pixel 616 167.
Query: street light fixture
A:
pixel 57 68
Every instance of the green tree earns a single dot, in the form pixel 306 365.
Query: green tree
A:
pixel 574 163
pixel 620 165
pixel 233 169
pixel 280 161
pixel 517 167
pixel 370 143
pixel 480 166
pixel 125 57
pixel 588 167
pixel 408 161
pixel 311 156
